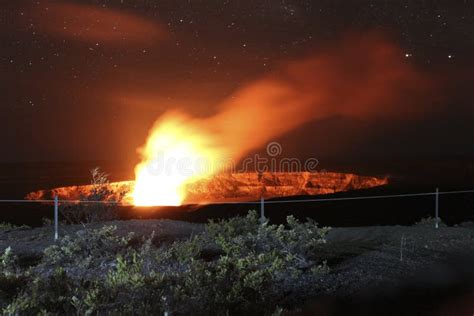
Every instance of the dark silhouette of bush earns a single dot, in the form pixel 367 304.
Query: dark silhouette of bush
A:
pixel 96 206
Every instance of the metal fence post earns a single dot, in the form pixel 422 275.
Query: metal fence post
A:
pixel 262 210
pixel 437 209
pixel 56 206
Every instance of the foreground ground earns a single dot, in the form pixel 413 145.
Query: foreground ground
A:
pixel 372 270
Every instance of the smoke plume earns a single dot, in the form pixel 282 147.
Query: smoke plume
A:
pixel 361 75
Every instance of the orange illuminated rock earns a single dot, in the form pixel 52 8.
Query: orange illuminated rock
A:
pixel 237 187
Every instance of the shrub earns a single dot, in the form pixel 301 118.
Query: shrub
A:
pixel 96 272
pixel 11 279
pixel 8 262
pixel 44 295
pixel 254 260
pixel 47 222
pixel 86 249
pixel 100 192
pixel 10 287
pixel 8 226
pixel 240 237
pixel 430 222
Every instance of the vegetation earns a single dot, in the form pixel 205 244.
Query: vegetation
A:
pixel 430 222
pixel 235 266
pixel 96 205
pixel 8 226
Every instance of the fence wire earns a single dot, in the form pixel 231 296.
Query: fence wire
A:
pixel 370 197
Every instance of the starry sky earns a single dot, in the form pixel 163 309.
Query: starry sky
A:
pixel 85 80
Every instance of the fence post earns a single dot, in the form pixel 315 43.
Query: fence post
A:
pixel 437 209
pixel 262 210
pixel 56 202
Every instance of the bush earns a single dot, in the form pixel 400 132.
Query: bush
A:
pixel 97 272
pixel 11 279
pixel 44 295
pixel 100 191
pixel 430 222
pixel 85 251
pixel 8 262
pixel 8 226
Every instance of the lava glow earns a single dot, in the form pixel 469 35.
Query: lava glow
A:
pixel 171 159
pixel 363 77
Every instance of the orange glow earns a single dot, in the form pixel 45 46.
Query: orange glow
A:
pixel 364 77
pixel 93 24
pixel 169 158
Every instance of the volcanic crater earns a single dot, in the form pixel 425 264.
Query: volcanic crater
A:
pixel 228 187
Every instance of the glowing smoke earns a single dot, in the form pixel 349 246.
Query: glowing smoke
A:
pixel 361 75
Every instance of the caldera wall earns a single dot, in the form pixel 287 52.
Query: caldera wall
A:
pixel 237 187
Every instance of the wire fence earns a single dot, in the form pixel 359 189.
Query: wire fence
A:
pixel 56 202
pixel 272 201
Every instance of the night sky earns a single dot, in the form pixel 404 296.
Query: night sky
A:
pixel 85 80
